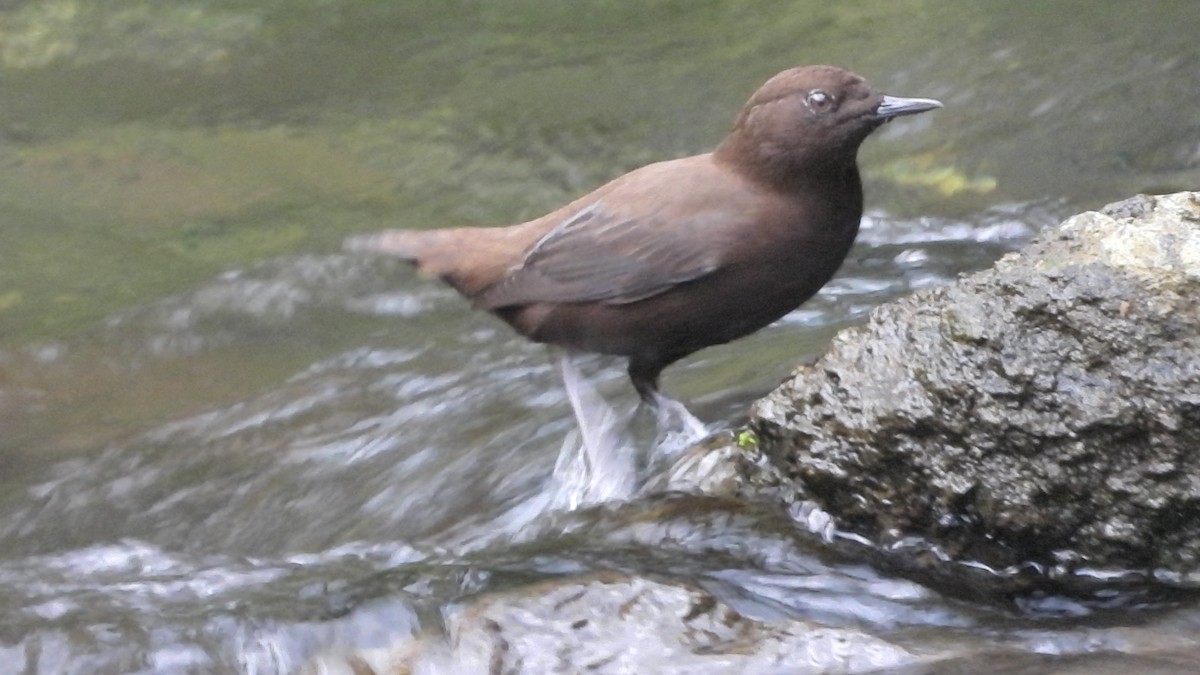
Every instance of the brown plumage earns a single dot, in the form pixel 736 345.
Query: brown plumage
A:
pixel 682 254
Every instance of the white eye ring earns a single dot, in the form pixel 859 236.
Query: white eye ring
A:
pixel 818 101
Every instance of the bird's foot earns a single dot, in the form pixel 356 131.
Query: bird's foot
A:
pixel 674 417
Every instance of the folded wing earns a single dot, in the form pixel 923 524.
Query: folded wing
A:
pixel 602 255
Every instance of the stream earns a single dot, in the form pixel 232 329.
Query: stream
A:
pixel 227 447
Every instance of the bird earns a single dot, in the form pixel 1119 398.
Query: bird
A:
pixel 681 254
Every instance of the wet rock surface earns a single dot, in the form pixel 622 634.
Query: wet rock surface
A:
pixel 613 623
pixel 1044 411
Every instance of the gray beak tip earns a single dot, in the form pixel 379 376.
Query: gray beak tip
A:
pixel 894 106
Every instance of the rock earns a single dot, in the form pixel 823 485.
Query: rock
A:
pixel 614 623
pixel 1044 411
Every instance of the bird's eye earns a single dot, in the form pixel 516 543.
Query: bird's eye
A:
pixel 818 101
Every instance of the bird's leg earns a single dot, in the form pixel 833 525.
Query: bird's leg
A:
pixel 669 413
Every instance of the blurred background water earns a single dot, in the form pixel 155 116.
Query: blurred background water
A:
pixel 223 447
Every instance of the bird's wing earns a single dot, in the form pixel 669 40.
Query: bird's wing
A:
pixel 599 254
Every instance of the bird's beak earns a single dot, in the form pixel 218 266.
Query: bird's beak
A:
pixel 894 106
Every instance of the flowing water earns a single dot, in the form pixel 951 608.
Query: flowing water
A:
pixel 224 447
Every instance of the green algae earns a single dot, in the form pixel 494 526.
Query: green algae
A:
pixel 171 35
pixel 122 214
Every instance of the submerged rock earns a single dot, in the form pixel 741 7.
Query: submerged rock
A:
pixel 1044 411
pixel 613 623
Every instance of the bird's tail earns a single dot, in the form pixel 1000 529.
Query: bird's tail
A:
pixel 467 258
pixel 428 250
pixel 407 244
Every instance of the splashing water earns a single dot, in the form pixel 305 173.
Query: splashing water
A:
pixel 599 461
pixel 596 462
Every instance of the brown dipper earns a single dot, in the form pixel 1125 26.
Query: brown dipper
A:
pixel 682 254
